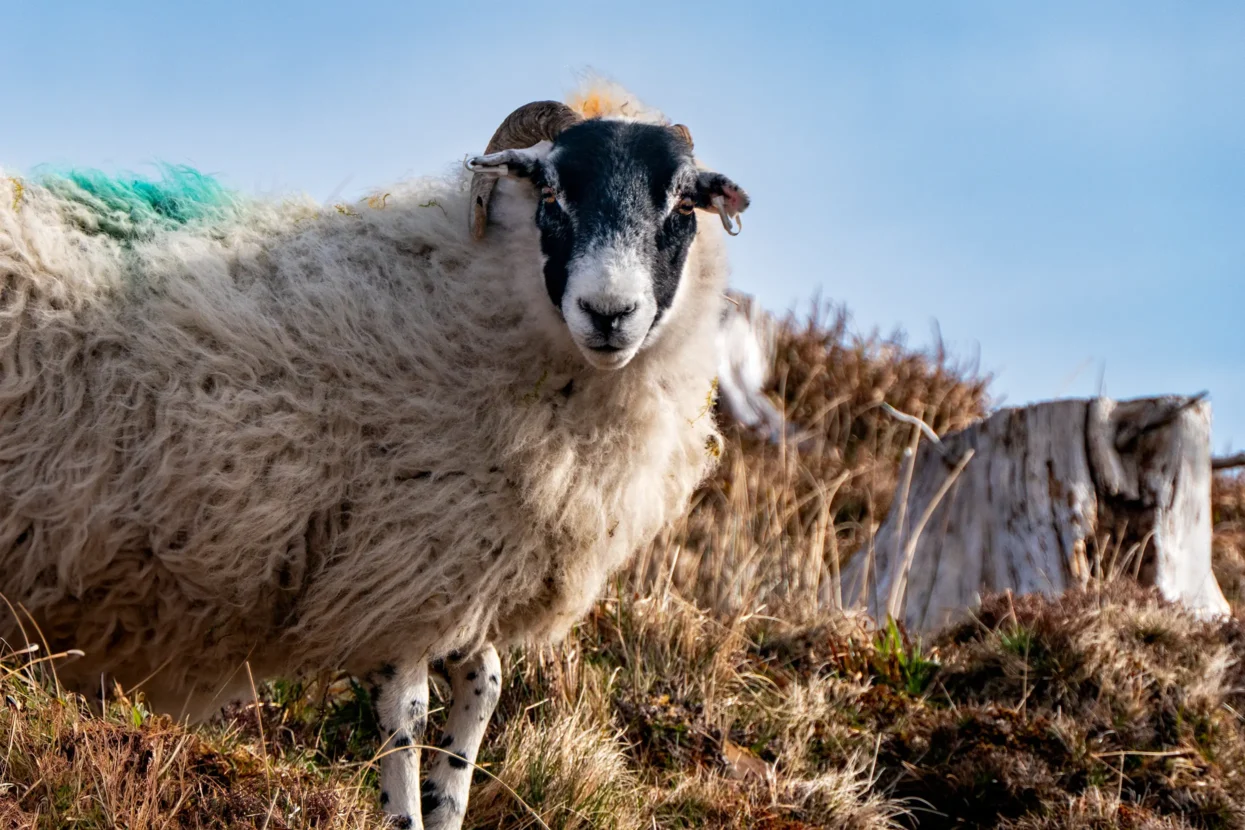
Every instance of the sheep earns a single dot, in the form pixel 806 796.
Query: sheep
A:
pixel 747 343
pixel 246 438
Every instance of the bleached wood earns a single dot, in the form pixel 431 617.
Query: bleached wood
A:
pixel 1055 495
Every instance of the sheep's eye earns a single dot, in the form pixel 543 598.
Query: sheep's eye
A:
pixel 686 206
pixel 549 197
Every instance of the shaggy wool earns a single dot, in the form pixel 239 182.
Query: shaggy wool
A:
pixel 239 430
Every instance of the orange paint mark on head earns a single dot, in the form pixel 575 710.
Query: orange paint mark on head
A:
pixel 595 102
pixel 601 98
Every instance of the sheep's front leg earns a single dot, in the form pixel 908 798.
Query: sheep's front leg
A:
pixel 475 685
pixel 402 708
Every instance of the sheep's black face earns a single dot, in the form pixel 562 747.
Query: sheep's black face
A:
pixel 616 214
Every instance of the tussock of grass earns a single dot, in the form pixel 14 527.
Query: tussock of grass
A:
pixel 64 766
pixel 716 687
pixel 1112 689
pixel 1097 809
pixel 573 769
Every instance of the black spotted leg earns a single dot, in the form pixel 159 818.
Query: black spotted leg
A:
pixel 402 708
pixel 475 686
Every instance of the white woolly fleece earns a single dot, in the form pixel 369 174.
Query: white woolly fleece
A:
pixel 314 440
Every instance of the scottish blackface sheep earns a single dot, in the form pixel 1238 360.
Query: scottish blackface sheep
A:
pixel 255 434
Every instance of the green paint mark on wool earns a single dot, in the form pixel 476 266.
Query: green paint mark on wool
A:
pixel 130 207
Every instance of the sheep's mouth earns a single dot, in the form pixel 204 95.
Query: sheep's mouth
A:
pixel 608 358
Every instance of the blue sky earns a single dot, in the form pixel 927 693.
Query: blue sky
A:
pixel 1062 188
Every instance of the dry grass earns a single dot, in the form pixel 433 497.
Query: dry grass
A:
pixel 771 527
pixel 62 766
pixel 712 688
pixel 1228 514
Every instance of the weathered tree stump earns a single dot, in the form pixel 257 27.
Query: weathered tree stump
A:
pixel 1052 496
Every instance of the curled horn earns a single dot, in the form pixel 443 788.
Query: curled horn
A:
pixel 684 133
pixel 528 125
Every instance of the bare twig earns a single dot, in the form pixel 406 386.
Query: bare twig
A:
pixel 1228 462
pixel 1173 753
pixel 905 483
pixel 259 722
pixel 73 652
pixel 919 424
pixel 899 586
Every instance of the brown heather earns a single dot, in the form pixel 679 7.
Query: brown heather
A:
pixel 714 686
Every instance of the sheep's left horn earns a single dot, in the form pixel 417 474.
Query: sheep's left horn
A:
pixel 529 124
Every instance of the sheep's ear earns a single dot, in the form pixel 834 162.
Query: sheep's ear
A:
pixel 718 194
pixel 513 163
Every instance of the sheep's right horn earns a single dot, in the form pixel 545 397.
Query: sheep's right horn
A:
pixel 529 124
pixel 684 133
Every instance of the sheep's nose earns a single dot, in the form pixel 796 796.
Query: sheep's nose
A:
pixel 606 322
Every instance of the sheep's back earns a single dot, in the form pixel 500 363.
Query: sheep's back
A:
pixel 183 417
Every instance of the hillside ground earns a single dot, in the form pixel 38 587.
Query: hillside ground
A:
pixel 715 686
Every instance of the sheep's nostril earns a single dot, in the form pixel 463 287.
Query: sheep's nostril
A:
pixel 606 322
